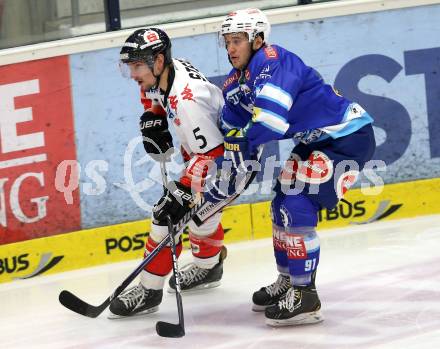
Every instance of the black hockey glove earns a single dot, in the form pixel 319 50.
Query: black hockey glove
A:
pixel 155 134
pixel 176 202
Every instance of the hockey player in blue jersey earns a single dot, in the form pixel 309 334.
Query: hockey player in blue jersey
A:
pixel 271 94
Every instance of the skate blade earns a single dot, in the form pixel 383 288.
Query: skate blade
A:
pixel 112 316
pixel 259 308
pixel 301 319
pixel 197 288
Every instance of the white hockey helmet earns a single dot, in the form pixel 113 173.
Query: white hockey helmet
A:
pixel 251 21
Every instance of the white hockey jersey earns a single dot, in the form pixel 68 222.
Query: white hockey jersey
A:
pixel 194 106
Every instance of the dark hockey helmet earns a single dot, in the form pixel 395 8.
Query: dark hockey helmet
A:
pixel 144 45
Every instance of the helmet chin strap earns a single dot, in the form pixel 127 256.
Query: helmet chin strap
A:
pixel 157 76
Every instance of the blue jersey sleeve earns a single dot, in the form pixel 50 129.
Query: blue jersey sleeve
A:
pixel 275 91
pixel 231 118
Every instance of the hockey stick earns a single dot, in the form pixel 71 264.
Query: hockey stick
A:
pixel 201 213
pixel 72 302
pixel 77 305
pixel 166 329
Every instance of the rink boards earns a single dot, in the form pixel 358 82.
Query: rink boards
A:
pixel 71 157
pixel 125 241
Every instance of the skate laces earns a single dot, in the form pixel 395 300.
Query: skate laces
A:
pixel 291 300
pixel 192 272
pixel 279 286
pixel 133 296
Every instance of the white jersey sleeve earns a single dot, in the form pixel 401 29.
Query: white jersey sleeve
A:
pixel 195 106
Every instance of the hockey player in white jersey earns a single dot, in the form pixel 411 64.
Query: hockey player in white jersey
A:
pixel 173 89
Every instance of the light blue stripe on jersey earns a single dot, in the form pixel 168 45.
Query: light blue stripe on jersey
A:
pixel 351 122
pixel 352 126
pixel 277 95
pixel 271 120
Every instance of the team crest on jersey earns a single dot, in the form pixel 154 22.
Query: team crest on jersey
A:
pixel 270 52
pixel 317 169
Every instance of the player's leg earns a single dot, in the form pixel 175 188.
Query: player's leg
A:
pixel 147 295
pixel 206 269
pixel 270 295
pixel 321 180
pixel 300 304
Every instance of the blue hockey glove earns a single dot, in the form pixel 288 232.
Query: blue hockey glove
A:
pixel 237 149
pixel 233 169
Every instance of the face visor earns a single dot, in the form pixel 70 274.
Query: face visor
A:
pixel 130 70
pixel 135 63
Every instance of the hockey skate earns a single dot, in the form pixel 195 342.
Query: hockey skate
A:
pixel 299 306
pixel 136 300
pixel 194 278
pixel 270 295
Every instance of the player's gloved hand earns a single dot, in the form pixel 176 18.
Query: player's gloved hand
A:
pixel 232 168
pixel 177 201
pixel 156 137
pixel 237 149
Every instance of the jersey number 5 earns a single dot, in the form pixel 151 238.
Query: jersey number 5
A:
pixel 200 137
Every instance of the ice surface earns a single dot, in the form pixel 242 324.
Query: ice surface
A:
pixel 379 285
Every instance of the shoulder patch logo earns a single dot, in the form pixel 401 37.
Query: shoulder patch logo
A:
pixel 270 52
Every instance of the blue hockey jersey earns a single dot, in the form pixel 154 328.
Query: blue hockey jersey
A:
pixel 285 98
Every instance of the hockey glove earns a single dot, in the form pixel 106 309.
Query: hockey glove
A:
pixel 156 137
pixel 237 149
pixel 177 201
pixel 233 170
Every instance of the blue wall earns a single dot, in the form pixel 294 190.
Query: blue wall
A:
pixel 387 61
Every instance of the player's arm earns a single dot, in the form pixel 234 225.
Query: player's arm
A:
pixel 273 102
pixel 153 125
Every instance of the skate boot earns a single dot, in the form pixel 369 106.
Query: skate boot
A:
pixel 299 306
pixel 194 278
pixel 271 294
pixel 135 300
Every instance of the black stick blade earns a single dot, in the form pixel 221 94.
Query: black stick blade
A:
pixel 72 302
pixel 165 329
